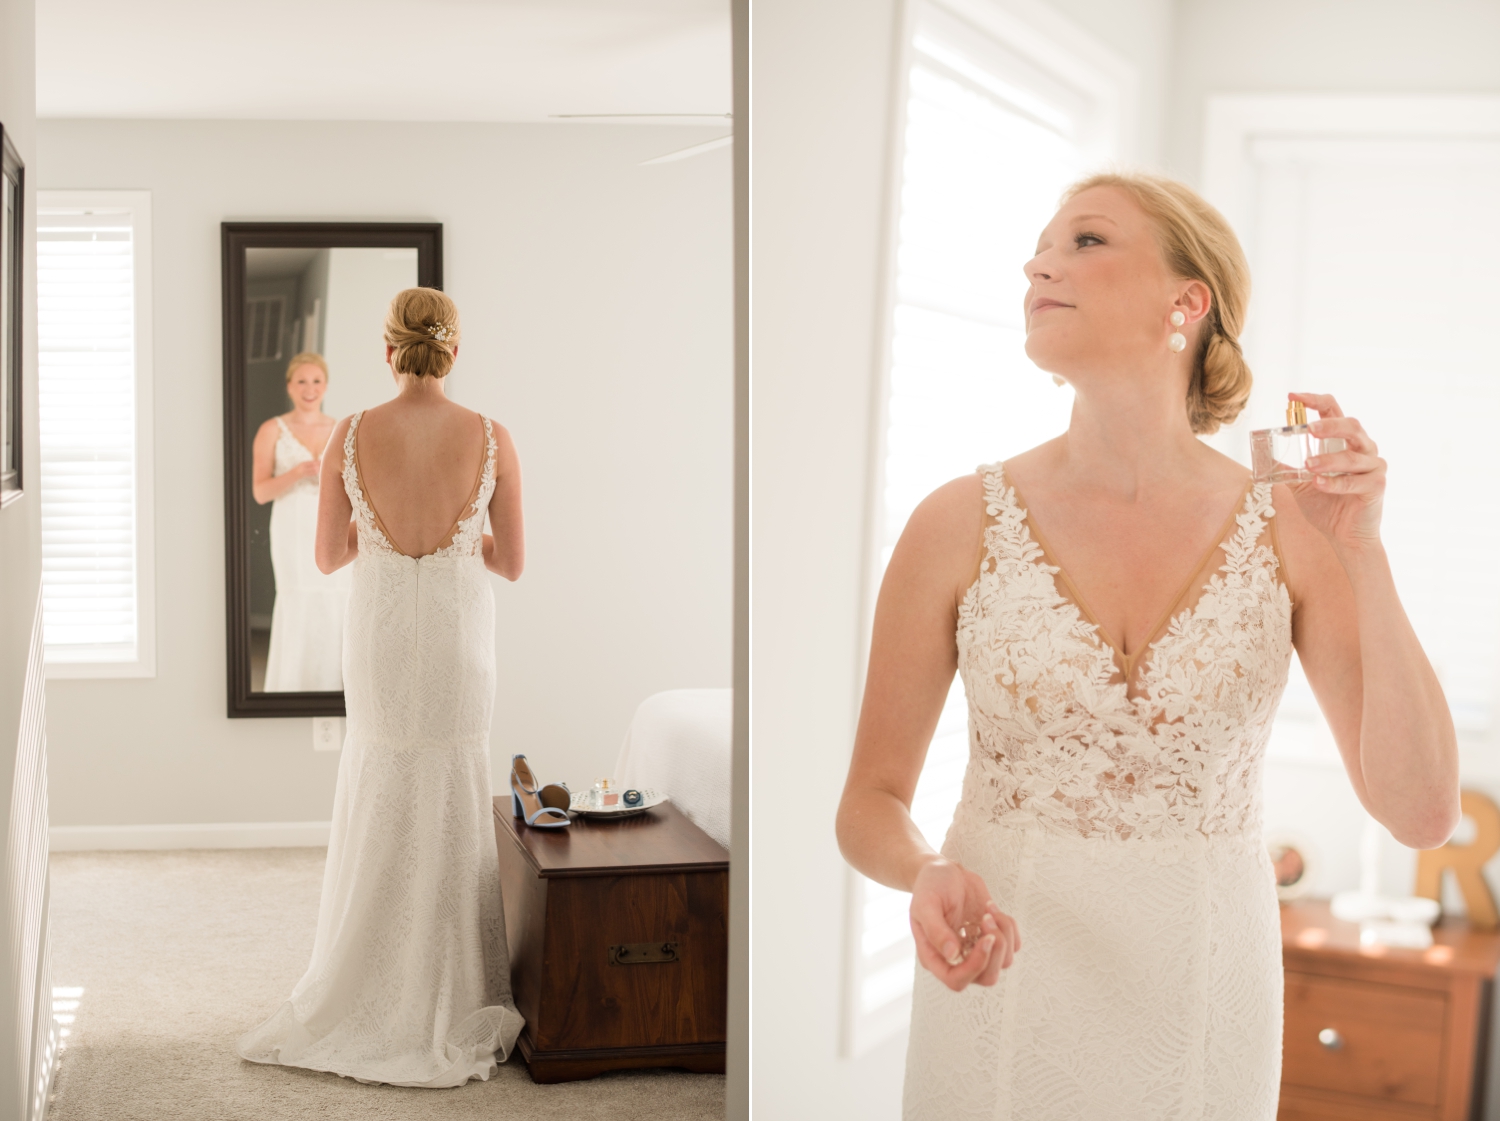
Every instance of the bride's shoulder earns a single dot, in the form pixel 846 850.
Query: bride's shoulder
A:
pixel 339 430
pixel 952 515
pixel 269 430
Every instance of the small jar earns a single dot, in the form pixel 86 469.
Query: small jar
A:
pixel 1280 455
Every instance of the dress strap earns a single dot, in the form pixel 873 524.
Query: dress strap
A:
pixel 486 472
pixel 349 464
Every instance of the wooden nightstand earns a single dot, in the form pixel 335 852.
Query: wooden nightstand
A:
pixel 1375 1033
pixel 619 942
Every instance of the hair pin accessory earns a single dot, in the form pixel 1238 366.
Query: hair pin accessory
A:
pixel 441 332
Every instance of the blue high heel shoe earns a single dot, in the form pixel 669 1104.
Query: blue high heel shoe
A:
pixel 541 807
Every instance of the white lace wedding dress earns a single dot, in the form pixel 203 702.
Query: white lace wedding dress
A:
pixel 1112 805
pixel 409 982
pixel 307 620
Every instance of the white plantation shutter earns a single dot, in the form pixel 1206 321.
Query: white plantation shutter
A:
pixel 989 145
pixel 94 462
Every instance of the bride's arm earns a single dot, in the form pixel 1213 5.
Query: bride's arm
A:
pixel 913 657
pixel 338 541
pixel 505 546
pixel 1363 660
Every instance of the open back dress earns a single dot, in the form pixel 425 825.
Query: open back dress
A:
pixel 409 982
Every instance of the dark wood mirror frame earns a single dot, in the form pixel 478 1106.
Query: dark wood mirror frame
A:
pixel 236 237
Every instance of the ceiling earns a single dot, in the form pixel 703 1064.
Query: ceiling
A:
pixel 388 60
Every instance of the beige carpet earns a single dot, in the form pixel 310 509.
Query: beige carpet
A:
pixel 178 953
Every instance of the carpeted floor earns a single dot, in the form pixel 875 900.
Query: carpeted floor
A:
pixel 178 953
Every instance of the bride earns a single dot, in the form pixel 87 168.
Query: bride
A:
pixel 409 982
pixel 1099 936
pixel 307 621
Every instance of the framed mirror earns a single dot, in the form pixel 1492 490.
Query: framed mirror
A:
pixel 304 308
pixel 12 230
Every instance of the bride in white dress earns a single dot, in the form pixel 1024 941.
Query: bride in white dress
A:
pixel 307 619
pixel 409 982
pixel 1099 937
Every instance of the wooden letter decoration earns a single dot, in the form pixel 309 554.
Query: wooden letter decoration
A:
pixel 1466 863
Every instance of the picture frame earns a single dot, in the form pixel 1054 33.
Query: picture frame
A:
pixel 12 278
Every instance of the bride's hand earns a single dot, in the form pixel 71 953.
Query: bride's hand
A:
pixel 1344 507
pixel 945 898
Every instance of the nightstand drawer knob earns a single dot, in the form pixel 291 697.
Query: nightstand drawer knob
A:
pixel 1330 1038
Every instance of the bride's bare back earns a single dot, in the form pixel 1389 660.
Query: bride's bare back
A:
pixel 419 459
pixel 420 463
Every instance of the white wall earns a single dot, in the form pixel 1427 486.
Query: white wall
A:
pixel 821 87
pixel 20 573
pixel 1300 46
pixel 361 283
pixel 596 297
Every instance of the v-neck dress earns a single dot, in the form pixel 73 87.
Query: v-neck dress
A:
pixel 409 982
pixel 305 652
pixel 1115 812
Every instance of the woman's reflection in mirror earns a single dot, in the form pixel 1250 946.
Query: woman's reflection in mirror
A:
pixel 307 621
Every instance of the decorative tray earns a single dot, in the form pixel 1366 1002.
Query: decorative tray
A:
pixel 583 805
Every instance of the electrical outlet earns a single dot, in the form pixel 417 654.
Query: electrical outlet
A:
pixel 328 733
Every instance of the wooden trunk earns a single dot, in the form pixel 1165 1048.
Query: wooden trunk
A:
pixel 1403 1031
pixel 619 942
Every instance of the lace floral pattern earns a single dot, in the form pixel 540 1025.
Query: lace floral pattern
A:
pixel 1057 738
pixel 289 452
pixel 409 982
pixel 1118 821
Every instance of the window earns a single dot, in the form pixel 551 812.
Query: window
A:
pixel 991 136
pixel 94 328
pixel 263 327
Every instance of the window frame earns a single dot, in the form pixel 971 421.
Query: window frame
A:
pixel 138 203
pixel 1109 87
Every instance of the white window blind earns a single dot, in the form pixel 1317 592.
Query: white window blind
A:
pixel 988 147
pixel 93 331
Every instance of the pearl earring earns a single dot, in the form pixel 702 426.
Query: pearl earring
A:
pixel 1057 379
pixel 1176 340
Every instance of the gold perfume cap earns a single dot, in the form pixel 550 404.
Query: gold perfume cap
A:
pixel 1296 413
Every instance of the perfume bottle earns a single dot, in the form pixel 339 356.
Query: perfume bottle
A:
pixel 602 795
pixel 1280 455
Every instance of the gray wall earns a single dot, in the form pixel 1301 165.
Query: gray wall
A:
pixel 596 297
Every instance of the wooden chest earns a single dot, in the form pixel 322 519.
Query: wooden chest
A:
pixel 619 942
pixel 1375 1033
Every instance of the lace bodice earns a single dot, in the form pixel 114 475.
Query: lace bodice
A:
pixel 1061 737
pixel 463 540
pixel 291 451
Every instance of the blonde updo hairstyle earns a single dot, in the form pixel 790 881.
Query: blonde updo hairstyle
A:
pixel 307 358
pixel 1198 244
pixel 421 327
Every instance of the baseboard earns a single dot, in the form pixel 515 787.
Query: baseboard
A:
pixel 210 835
